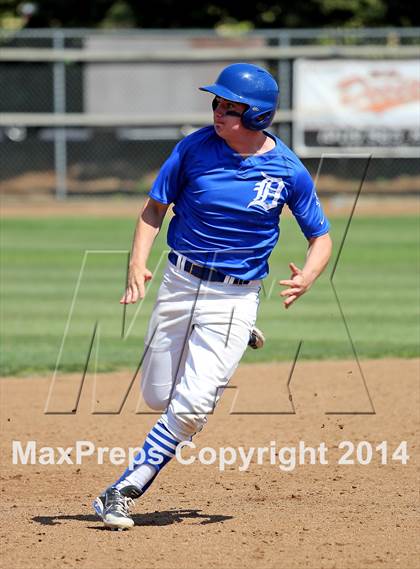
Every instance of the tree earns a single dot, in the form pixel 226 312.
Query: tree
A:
pixel 211 13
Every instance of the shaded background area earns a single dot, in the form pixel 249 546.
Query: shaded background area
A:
pixel 209 14
pixel 123 157
pixel 113 159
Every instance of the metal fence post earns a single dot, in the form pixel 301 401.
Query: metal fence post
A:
pixel 60 143
pixel 284 77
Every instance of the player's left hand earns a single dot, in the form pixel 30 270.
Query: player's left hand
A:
pixel 297 285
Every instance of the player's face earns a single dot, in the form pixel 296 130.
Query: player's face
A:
pixel 227 116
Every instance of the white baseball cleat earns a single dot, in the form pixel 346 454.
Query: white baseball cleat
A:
pixel 113 508
pixel 256 339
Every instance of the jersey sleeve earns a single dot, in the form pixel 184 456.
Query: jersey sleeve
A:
pixel 305 206
pixel 166 187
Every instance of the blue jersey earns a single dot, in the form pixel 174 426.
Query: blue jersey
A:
pixel 227 207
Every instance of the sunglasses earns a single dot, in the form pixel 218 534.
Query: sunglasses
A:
pixel 215 103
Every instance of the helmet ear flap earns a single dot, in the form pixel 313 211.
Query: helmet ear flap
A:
pixel 261 121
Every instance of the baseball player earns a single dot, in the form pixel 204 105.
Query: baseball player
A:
pixel 228 183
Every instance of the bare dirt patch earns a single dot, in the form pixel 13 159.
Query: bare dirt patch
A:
pixel 315 516
pixel 47 207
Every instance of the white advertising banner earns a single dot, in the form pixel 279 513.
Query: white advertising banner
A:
pixel 357 105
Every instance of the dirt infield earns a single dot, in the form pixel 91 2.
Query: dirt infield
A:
pixel 44 207
pixel 315 516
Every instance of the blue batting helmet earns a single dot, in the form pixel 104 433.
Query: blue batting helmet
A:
pixel 251 85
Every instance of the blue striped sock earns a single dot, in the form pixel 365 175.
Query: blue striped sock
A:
pixel 159 446
pixel 158 449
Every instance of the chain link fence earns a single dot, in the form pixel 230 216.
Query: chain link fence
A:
pixel 87 112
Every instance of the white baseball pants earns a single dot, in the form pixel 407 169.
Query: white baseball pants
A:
pixel 197 335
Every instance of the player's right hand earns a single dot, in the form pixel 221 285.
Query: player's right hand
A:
pixel 137 277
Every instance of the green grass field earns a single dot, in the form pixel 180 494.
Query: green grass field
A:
pixel 41 259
